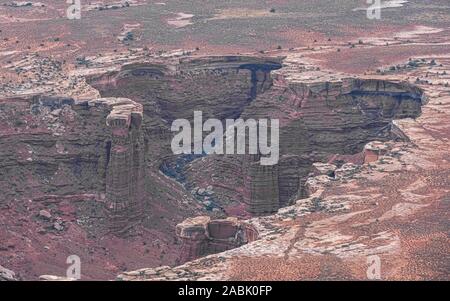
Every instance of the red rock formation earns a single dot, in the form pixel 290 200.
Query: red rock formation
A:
pixel 373 150
pixel 201 236
pixel 125 170
pixel 317 119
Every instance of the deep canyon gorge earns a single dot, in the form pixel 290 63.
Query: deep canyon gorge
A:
pixel 92 189
pixel 111 155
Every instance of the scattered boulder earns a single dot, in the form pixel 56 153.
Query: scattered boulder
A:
pixel 7 275
pixel 45 214
pixel 58 226
pixel 56 112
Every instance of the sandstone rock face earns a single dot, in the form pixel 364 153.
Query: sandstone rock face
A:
pixel 318 119
pixel 125 175
pixel 290 178
pixel 170 91
pixel 201 236
pixel 319 169
pixel 74 147
pixel 264 189
pixel 108 147
pixel 391 207
pixel 193 234
pixel 373 150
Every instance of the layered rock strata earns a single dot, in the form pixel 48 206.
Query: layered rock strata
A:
pixel 125 166
pixel 201 236
pixel 318 119
pixel 392 206
pixel 104 146
pixel 62 147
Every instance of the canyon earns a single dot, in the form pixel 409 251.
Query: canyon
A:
pixel 105 146
pixel 92 165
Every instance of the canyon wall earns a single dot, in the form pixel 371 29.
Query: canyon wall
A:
pixel 220 87
pixel 116 150
pixel 318 119
pixel 322 119
pixel 52 147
